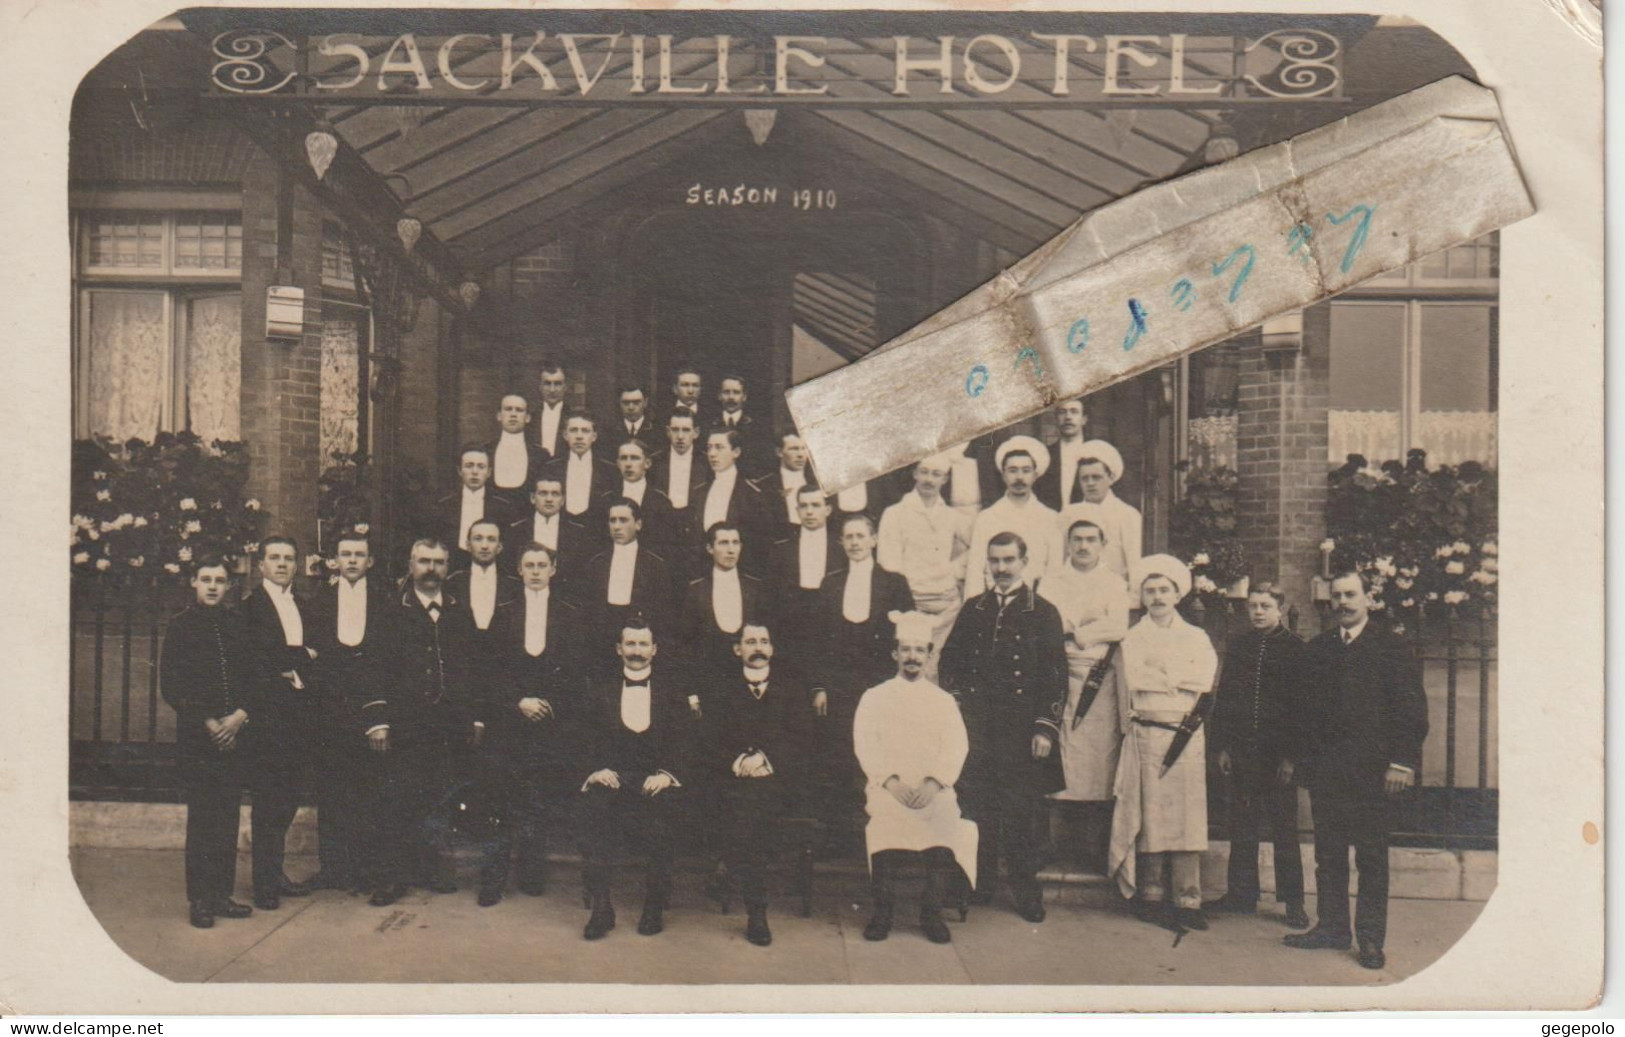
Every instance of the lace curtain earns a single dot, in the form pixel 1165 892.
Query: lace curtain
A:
pixel 339 401
pixel 214 368
pixel 1212 442
pixel 1449 437
pixel 127 357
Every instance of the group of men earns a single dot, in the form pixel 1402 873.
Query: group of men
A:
pixel 700 631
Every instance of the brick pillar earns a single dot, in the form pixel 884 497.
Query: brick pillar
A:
pixel 1281 443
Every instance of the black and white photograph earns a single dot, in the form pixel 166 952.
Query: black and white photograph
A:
pixel 455 596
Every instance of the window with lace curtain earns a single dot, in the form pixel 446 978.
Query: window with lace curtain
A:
pixel 158 340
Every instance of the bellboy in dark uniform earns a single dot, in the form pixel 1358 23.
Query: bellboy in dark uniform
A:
pixel 756 739
pixel 282 741
pixel 654 508
pixel 1005 662
pixel 551 413
pixel 209 673
pixel 637 746
pixel 1368 719
pixel 1259 717
pixel 728 497
pixel 546 524
pixel 474 500
pixel 583 474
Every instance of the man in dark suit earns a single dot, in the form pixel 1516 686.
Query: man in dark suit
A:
pixel 584 475
pixel 485 585
pixel 210 674
pixel 679 471
pixel 755 438
pixel 475 499
pixel 659 520
pixel 283 735
pixel 779 486
pixel 514 461
pixel 627 578
pixel 1057 487
pixel 1005 661
pixel 799 564
pixel 729 497
pixel 1260 712
pixel 349 631
pixel 636 755
pixel 1367 721
pixel 633 422
pixel 686 390
pixel 714 608
pixel 538 650
pixel 572 543
pixel 756 741
pixel 856 638
pixel 551 414
pixel 428 715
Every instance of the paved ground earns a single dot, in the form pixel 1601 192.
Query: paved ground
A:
pixel 335 937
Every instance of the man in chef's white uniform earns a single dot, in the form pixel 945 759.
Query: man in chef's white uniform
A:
pixel 911 742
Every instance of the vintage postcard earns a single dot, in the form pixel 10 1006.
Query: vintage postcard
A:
pixel 777 507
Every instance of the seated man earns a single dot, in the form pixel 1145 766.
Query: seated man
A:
pixel 756 748
pixel 635 740
pixel 911 743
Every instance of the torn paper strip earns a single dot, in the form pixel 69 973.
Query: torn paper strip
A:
pixel 1170 269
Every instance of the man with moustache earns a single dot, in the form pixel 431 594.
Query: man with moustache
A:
pixel 514 463
pixel 637 746
pixel 550 423
pixel 714 608
pixel 655 510
pixel 474 500
pixel 756 749
pixel 1058 487
pixel 284 733
pixel 1005 663
pixel 1098 471
pixel 1368 717
pixel 911 742
pixel 584 475
pixel 546 524
pixel 800 563
pixel 349 631
pixel 634 420
pixel 210 674
pixel 1021 460
pixel 429 716
pixel 539 655
pixel 925 540
pixel 628 577
pixel 728 496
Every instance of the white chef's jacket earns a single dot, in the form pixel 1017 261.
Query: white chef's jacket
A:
pixel 1033 521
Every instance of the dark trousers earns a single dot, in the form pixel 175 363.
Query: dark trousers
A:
pixel 885 866
pixel 624 820
pixel 528 801
pixel 410 825
pixel 340 768
pixel 214 799
pixel 1344 819
pixel 1007 814
pixel 1257 801
pixel 752 812
pixel 278 756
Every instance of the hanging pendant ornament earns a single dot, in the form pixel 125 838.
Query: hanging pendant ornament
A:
pixel 408 229
pixel 321 145
pixel 469 292
pixel 760 123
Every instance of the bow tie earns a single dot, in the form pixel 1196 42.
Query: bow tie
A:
pixel 627 682
pixel 758 688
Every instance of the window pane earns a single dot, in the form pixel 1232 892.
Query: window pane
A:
pixel 126 357
pixel 1367 380
pixel 127 240
pixel 1457 422
pixel 208 241
pixel 214 370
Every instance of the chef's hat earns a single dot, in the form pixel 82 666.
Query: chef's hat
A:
pixel 1142 569
pixel 1106 454
pixel 913 626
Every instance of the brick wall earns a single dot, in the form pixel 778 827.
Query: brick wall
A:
pixel 544 263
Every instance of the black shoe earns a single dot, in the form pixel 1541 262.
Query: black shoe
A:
pixel 229 908
pixel 1371 956
pixel 289 888
pixel 442 885
pixel 879 926
pixel 1191 918
pixel 601 922
pixel 1154 911
pixel 1316 939
pixel 384 896
pixel 756 930
pixel 934 928
pixel 1030 905
pixel 267 901
pixel 653 920
pixel 490 896
pixel 201 915
pixel 1232 904
pixel 1296 917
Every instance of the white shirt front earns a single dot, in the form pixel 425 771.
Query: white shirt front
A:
pixel 578 483
pixel 679 472
pixel 635 699
pixel 482 593
pixel 472 511
pixel 287 610
pixel 718 496
pixel 552 414
pixel 536 620
pixel 727 600
pixel 426 601
pixel 813 554
pixel 352 611
pixel 860 578
pixel 623 560
pixel 511 465
pixel 634 490
pixel 544 529
pixel 792 481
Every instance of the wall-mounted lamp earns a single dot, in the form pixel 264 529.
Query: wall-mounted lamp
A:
pixel 321 145
pixel 1282 337
pixel 469 292
pixel 408 229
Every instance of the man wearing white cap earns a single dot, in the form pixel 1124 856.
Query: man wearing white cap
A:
pixel 911 743
pixel 1021 460
pixel 1160 824
pixel 926 540
pixel 1098 471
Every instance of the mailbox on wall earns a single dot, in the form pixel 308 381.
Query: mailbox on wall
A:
pixel 284 312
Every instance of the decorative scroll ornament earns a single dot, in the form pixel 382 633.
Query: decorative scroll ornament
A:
pixel 321 145
pixel 1309 63
pixel 760 123
pixel 408 229
pixel 469 292
pixel 241 69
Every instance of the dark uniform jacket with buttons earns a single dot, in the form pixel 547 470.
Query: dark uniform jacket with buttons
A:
pixel 1261 706
pixel 1007 668
pixel 431 696
pixel 353 680
pixel 209 668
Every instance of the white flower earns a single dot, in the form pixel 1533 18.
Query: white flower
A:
pixel 250 547
pixel 1377 606
pixel 1490 565
pixel 1409 570
pixel 217 505
pixel 82 522
pixel 1455 568
pixel 184 554
pixel 140 522
pixel 73 541
pixel 103 564
pixel 1454 597
pixel 92 533
pixel 138 561
pixel 171 567
pixel 104 494
pixel 81 558
pixel 1201 559
pixel 1205 585
pixel 1444 552
pixel 252 504
pixel 1408 603
pixel 98 476
pixel 1489 548
pixel 361 527
pixel 1385 565
pixel 188 504
pixel 109 527
pixel 194 526
pixel 1403 584
pixel 1328 545
pixel 1483 577
pixel 1433 595
pixel 1461 548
